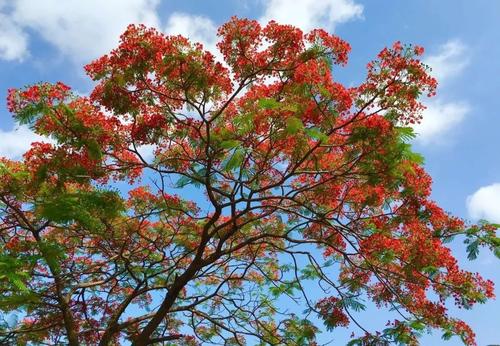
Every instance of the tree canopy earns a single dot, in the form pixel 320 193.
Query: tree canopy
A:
pixel 277 199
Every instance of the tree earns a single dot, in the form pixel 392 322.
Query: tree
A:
pixel 270 182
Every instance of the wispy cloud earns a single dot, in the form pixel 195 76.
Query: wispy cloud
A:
pixel 310 14
pixel 13 41
pixel 450 60
pixel 15 142
pixel 197 28
pixel 438 119
pixel 84 30
pixel 443 115
pixel 81 30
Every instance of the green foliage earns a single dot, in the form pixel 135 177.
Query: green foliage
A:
pixel 94 149
pixel 87 208
pixel 430 271
pixel 14 278
pixel 230 144
pixel 473 250
pixel 300 332
pixel 27 115
pixel 268 103
pixel 12 272
pixel 482 235
pixel 353 303
pixel 287 287
pixel 52 253
pixel 244 124
pixel 316 134
pixel 18 300
pixel 235 160
pixel 293 125
pixel 402 333
pixel 406 134
pixel 184 181
pixel 309 272
pixel 417 325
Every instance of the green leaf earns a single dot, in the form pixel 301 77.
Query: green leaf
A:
pixel 408 154
pixel 431 271
pixel 27 115
pixel 17 300
pixel 406 133
pixel 235 160
pixel 94 149
pixel 316 134
pixel 16 281
pixel 309 272
pixel 183 181
pixel 84 207
pixel 355 342
pixel 230 144
pixel 473 250
pixel 497 252
pixel 41 173
pixel 293 125
pixel 53 254
pixel 354 304
pixel 417 325
pixel 268 103
pixel 447 335
pixel 244 124
pixel 13 270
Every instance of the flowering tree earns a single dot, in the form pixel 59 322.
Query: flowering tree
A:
pixel 270 183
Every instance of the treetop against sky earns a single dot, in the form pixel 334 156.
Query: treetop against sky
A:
pixel 240 194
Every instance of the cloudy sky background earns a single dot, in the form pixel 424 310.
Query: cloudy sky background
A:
pixel 459 136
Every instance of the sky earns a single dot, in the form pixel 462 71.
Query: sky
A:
pixel 460 133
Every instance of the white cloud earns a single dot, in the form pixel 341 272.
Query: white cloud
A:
pixel 197 28
pixel 311 14
pixel 485 203
pixel 83 30
pixel 14 143
pixel 441 116
pixel 450 60
pixel 13 41
pixel 438 119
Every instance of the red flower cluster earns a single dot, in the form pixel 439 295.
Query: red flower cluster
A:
pixel 331 311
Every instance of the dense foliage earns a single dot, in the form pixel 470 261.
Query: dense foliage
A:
pixel 276 198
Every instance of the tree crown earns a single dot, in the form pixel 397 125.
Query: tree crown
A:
pixel 270 181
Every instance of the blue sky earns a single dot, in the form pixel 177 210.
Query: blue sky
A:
pixel 51 40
